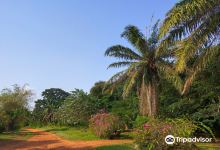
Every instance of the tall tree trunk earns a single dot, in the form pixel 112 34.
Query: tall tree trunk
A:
pixel 148 97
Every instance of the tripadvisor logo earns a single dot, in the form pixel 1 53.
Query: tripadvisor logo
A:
pixel 170 139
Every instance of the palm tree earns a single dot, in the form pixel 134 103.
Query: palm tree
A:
pixel 194 25
pixel 143 68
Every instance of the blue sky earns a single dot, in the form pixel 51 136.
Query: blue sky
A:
pixel 61 43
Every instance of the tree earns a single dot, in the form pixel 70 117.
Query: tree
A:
pixel 144 68
pixel 14 107
pixel 45 108
pixel 97 89
pixel 77 108
pixel 193 25
pixel 201 103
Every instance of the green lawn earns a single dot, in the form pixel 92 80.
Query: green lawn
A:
pixel 115 147
pixel 16 135
pixel 74 133
pixel 70 133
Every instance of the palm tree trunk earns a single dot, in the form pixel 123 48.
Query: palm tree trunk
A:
pixel 148 99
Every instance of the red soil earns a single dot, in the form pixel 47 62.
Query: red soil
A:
pixel 45 140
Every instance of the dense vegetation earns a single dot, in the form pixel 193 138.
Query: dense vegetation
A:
pixel 14 112
pixel 173 74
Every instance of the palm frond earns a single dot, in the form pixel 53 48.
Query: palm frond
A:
pixel 136 38
pixel 153 39
pixel 202 37
pixel 204 59
pixel 122 52
pixel 168 72
pixel 114 80
pixel 130 83
pixel 187 15
pixel 120 64
pixel 118 76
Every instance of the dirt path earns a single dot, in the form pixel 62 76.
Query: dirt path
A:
pixel 45 140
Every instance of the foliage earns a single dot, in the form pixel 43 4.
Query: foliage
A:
pixel 201 103
pixel 14 107
pixel 144 68
pixel 126 109
pixel 152 134
pixel 77 109
pixel 104 125
pixel 98 89
pixel 140 120
pixel 193 27
pixel 45 109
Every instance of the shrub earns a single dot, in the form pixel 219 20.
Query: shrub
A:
pixel 14 108
pixel 104 125
pixel 152 134
pixel 140 120
pixel 126 110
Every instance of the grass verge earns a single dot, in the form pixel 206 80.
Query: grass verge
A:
pixel 78 133
pixel 16 135
pixel 71 133
pixel 115 147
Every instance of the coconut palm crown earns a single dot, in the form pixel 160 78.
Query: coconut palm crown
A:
pixel 144 68
pixel 194 25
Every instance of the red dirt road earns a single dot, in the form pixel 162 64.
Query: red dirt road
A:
pixel 46 140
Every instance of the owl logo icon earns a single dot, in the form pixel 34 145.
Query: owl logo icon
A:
pixel 169 139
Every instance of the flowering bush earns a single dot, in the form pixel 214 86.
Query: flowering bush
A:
pixel 104 125
pixel 151 136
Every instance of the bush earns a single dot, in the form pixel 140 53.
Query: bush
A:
pixel 105 125
pixel 152 134
pixel 14 108
pixel 140 120
pixel 126 110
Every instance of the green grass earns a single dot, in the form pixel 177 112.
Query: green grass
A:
pixel 115 147
pixel 78 133
pixel 70 133
pixel 209 146
pixel 202 146
pixel 16 135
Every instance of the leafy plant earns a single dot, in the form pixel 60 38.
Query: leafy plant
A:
pixel 104 125
pixel 152 134
pixel 140 120
pixel 77 109
pixel 126 110
pixel 14 108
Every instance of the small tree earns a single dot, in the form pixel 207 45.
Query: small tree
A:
pixel 14 107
